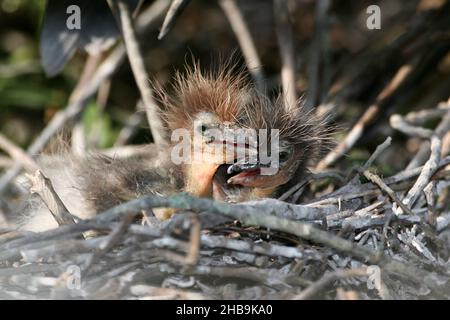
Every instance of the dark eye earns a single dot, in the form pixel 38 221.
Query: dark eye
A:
pixel 202 128
pixel 284 156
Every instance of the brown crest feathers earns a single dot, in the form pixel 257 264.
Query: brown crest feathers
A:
pixel 223 93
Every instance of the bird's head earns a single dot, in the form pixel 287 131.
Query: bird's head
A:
pixel 289 141
pixel 207 107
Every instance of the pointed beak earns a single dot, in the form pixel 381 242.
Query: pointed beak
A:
pixel 242 165
pixel 250 174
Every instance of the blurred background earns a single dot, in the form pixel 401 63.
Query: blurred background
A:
pixel 338 60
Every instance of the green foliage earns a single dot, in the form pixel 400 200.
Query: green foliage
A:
pixel 98 127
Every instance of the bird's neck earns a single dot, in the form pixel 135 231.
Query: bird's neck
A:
pixel 199 177
pixel 261 193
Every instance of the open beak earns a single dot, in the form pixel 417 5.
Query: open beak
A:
pixel 250 174
pixel 243 172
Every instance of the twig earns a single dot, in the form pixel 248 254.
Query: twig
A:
pixel 131 127
pixel 317 79
pixel 6 162
pixel 18 154
pixel 245 40
pixel 192 248
pixel 4 210
pixel 378 151
pixel 175 9
pixel 327 279
pixel 441 130
pixel 248 216
pixel 42 186
pixel 357 130
pixel 427 172
pixel 105 70
pixel 383 186
pixel 286 47
pixel 138 68
pixel 397 122
pixel 156 293
pixel 110 241
pixel 350 191
pixel 309 178
pixel 270 277
pixel 78 139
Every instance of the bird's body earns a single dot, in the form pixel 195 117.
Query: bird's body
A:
pixel 199 105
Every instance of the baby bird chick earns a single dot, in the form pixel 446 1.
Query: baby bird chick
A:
pixel 302 135
pixel 200 103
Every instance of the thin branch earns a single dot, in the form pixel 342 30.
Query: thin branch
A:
pixel 286 47
pixel 140 75
pixel 131 127
pixel 369 115
pixel 78 141
pixel 245 40
pixel 42 186
pixel 317 75
pixel 17 154
pixel 105 70
pixel 113 239
pixel 427 172
pixel 175 9
pixel 328 279
pixel 383 186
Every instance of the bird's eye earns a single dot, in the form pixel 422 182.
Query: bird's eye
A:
pixel 202 128
pixel 284 156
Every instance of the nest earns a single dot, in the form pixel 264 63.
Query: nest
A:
pixel 372 237
pixel 338 233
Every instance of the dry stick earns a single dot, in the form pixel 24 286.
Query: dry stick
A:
pixel 357 130
pixel 245 214
pixel 214 242
pixel 245 40
pixel 317 55
pixel 309 178
pixel 78 140
pixel 446 144
pixel 193 247
pixel 424 151
pixel 140 75
pixel 398 122
pixel 158 293
pixel 42 186
pixel 194 242
pixel 113 238
pixel 351 191
pixel 327 279
pixel 4 210
pixel 248 216
pixel 378 151
pixel 176 7
pixel 421 116
pixel 286 47
pixel 131 127
pixel 74 108
pixel 17 154
pixel 270 277
pixel 384 187
pixel 428 170
pixel 6 162
pixel 105 70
